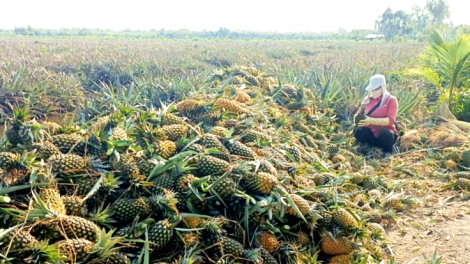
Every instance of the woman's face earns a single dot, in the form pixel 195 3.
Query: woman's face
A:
pixel 376 93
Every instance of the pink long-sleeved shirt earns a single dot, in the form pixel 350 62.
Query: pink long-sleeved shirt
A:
pixel 388 109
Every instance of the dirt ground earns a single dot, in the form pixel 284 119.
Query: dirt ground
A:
pixel 439 222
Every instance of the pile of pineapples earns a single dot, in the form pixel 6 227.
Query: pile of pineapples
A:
pixel 244 171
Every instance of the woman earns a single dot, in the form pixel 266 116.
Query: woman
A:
pixel 378 129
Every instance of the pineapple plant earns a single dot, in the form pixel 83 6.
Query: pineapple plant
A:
pixel 75 249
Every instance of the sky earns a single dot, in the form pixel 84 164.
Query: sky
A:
pixel 254 15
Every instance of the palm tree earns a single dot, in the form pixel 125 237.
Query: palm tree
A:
pixel 448 60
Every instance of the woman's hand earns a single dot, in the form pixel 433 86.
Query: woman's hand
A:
pixel 364 122
pixel 374 121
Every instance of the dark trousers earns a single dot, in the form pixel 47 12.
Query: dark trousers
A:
pixel 385 140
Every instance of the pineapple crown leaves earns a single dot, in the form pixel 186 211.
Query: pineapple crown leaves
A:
pixel 138 228
pixel 102 217
pixel 20 114
pixel 106 244
pixel 42 252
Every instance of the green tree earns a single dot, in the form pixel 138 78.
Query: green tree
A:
pixel 439 11
pixel 394 24
pixel 447 62
pixel 420 18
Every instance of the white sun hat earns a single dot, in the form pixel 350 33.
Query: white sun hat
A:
pixel 375 82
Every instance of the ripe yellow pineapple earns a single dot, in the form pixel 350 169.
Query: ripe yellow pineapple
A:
pixel 301 203
pixel 268 242
pixel 261 182
pixel 344 219
pixel 231 106
pixel 342 245
pixel 175 132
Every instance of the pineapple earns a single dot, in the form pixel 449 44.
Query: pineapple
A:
pixel 165 181
pixel 342 245
pixel 101 122
pixel 75 249
pixel 241 96
pixel 466 157
pixel 224 187
pixel 375 228
pixel 164 148
pixel 159 234
pixel 171 119
pixel 462 184
pixel 175 132
pixel 8 160
pixel 69 142
pixel 126 210
pixel 46 149
pixel 252 80
pixel 332 150
pixel 77 227
pixel 52 127
pixel 240 149
pixel 209 165
pixel 20 131
pixel 323 178
pixel 218 130
pixel 301 203
pixel 74 205
pixel 251 135
pixel 267 258
pixel 303 239
pixel 231 247
pixel 344 219
pixel 341 259
pixel 16 239
pixel 191 107
pixel 361 116
pixel 67 164
pixel 296 154
pixel 231 106
pixel 212 141
pixel 51 199
pixel 261 182
pixel 268 242
pixel 463 175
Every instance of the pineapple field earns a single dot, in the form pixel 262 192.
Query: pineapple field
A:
pixel 217 151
